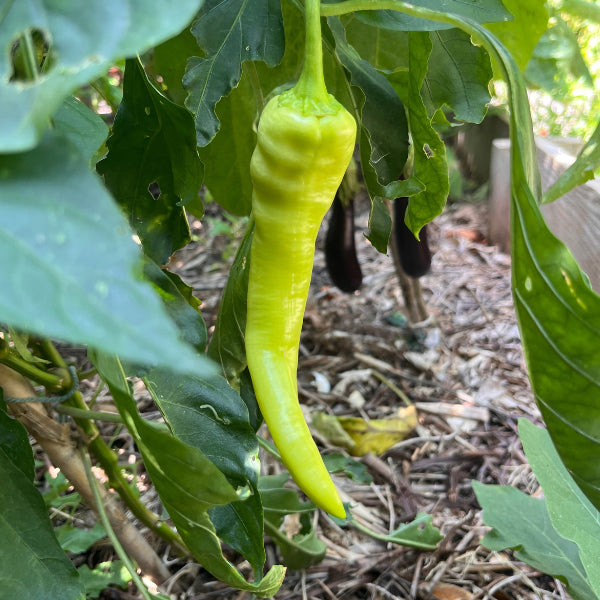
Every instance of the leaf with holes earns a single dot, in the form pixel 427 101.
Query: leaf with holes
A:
pixel 229 33
pixel 85 39
pixel 152 166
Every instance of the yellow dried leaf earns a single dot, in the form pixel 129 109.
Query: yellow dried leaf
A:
pixel 378 435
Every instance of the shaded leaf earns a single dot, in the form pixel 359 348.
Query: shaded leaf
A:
pixel 227 346
pixel 522 523
pixel 33 565
pixel 152 167
pixel 430 166
pixel 180 304
pixel 188 485
pixel 383 120
pixel 209 415
pixel 229 33
pixel 81 126
pixel 14 442
pixel 82 256
pixel 571 513
pixel 86 39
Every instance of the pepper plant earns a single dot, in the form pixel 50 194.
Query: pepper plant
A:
pixel 90 215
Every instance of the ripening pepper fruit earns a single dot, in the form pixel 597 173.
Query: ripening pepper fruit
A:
pixel 304 144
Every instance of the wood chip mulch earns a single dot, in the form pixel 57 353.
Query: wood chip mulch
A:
pixel 462 368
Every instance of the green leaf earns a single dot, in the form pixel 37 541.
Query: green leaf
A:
pixel 14 442
pixel 419 533
pixel 66 241
pixel 483 12
pixel 458 76
pixel 180 304
pixel 301 550
pixel 103 575
pixel 280 500
pixel 521 34
pixel 188 484
pixel 227 346
pixel 522 523
pixel 152 167
pixel 571 513
pixel 81 126
pixel 582 170
pixel 229 33
pixel 227 157
pixel 170 59
pixel 355 470
pixel 380 224
pixel 430 166
pixel 86 38
pixel 77 540
pixel 383 119
pixel 33 566
pixel 209 415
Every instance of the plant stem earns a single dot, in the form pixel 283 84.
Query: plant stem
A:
pixel 311 83
pixel 88 414
pixel 29 55
pixel 50 381
pixel 109 530
pixel 108 461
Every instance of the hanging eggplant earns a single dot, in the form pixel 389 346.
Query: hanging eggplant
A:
pixel 340 249
pixel 414 255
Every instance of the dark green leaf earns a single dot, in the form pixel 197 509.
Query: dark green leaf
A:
pixel 458 76
pixel 229 33
pixel 249 397
pixel 188 484
pixel 380 224
pixel 382 114
pixel 103 575
pixel 209 415
pixel 14 442
pixel 170 59
pixel 86 39
pixel 302 549
pixel 152 167
pixel 227 157
pixel 65 238
pixel 522 523
pixel 227 346
pixel 430 166
pixel 76 539
pixel 280 500
pixel 571 513
pixel 338 463
pixel 33 565
pixel 81 126
pixel 180 304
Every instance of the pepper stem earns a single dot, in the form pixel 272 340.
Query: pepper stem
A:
pixel 311 84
